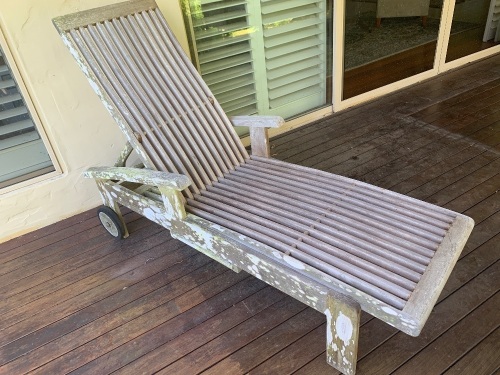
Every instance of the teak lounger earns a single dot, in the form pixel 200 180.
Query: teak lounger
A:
pixel 336 244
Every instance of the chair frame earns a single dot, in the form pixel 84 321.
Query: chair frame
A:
pixel 158 196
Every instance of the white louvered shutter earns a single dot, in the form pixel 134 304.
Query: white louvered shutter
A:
pixel 222 42
pixel 22 152
pixel 294 38
pixel 265 57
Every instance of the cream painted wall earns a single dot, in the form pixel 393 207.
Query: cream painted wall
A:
pixel 81 132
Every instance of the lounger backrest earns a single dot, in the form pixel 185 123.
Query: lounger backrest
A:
pixel 150 87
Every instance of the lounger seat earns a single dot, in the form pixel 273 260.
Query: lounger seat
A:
pixel 372 239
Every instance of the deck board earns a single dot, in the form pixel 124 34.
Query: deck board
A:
pixel 73 300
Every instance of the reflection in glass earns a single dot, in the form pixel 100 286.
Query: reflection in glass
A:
pixel 262 57
pixel 388 40
pixel 475 27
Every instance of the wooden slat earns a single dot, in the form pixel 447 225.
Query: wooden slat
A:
pixel 89 358
pixel 480 359
pixel 445 316
pixel 459 339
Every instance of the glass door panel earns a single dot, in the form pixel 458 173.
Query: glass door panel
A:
pixel 475 27
pixel 388 40
pixel 263 57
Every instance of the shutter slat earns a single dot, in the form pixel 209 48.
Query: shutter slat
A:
pixel 222 53
pixel 277 63
pixel 293 77
pixel 298 95
pixel 30 157
pixel 296 24
pixel 18 140
pixel 294 67
pixel 4 115
pixel 290 14
pixel 8 83
pixel 10 98
pixel 236 94
pixel 16 127
pixel 4 69
pixel 294 86
pixel 291 37
pixel 270 7
pixel 221 42
pixel 226 63
pixel 248 110
pixel 216 5
pixel 232 84
pixel 226 75
pixel 241 103
pixel 226 16
pixel 227 29
pixel 288 48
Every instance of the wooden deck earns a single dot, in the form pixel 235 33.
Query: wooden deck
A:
pixel 74 300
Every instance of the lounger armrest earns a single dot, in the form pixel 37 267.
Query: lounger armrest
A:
pixel 142 176
pixel 258 121
pixel 258 125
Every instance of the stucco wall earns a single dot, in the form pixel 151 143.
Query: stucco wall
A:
pixel 79 129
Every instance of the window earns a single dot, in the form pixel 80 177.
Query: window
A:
pixel 22 152
pixel 263 57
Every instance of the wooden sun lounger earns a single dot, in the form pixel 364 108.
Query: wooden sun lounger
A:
pixel 336 244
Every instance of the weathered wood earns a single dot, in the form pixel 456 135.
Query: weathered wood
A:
pixel 342 332
pixel 432 282
pixel 210 353
pixel 122 159
pixel 259 142
pixel 258 125
pixel 457 306
pixel 142 176
pixel 458 339
pixel 92 16
pixel 69 258
pixel 269 344
pixel 168 321
pixel 258 121
pixel 481 359
pixel 216 326
pixel 389 254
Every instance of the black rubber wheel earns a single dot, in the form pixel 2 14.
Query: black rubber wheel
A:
pixel 110 221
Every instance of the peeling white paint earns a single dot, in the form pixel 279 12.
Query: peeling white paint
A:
pixel 389 311
pixel 344 328
pixel 253 259
pixel 294 262
pixel 329 333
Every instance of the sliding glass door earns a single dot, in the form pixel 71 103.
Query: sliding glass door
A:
pixel 276 56
pixel 263 56
pixel 388 40
pixel 475 27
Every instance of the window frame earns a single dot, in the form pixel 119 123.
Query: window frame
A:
pixel 28 101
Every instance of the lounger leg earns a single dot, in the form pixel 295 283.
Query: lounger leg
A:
pixel 424 21
pixel 342 332
pixel 111 203
pixel 259 142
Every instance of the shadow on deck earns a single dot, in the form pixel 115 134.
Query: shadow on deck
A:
pixel 74 300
